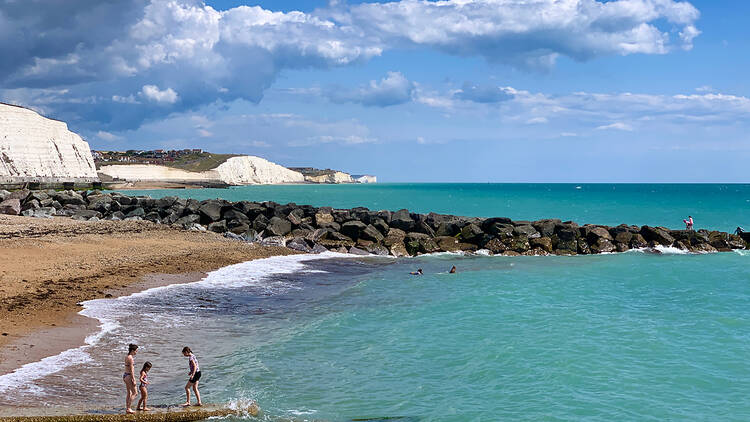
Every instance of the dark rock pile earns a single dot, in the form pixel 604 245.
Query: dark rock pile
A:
pixel 362 231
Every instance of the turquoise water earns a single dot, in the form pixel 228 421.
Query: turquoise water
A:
pixel 618 337
pixel 714 206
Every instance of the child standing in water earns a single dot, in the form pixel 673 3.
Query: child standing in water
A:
pixel 194 377
pixel 144 387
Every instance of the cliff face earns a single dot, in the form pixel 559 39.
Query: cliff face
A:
pixel 334 177
pixel 250 170
pixel 246 170
pixel 34 148
pixel 365 179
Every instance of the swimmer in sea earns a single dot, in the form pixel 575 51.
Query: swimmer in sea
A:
pixel 418 272
pixel 453 270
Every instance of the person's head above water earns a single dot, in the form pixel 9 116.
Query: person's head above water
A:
pixel 453 269
pixel 132 348
pixel 146 367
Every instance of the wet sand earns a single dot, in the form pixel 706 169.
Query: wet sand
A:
pixel 47 267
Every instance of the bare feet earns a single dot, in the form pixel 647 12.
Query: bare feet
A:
pixel 186 404
pixel 146 409
pixel 129 412
pixel 199 404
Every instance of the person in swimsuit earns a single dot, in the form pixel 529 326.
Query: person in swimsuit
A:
pixel 418 272
pixel 453 270
pixel 193 378
pixel 688 223
pixel 129 377
pixel 143 387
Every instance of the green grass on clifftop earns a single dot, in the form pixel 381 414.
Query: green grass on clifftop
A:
pixel 200 162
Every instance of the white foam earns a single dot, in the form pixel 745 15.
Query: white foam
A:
pixel 742 252
pixel 251 273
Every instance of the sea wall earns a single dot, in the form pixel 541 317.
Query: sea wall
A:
pixel 42 151
pixel 363 231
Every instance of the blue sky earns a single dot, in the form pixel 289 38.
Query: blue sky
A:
pixel 424 91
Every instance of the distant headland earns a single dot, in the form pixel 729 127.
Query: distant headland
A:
pixel 37 152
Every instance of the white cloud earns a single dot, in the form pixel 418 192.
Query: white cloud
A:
pixel 537 120
pixel 616 126
pixel 153 93
pixel 108 137
pixel 391 90
pixel 118 49
pixel 203 133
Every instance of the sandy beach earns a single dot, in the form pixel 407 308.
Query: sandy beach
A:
pixel 47 267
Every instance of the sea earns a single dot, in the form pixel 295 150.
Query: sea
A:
pixel 631 336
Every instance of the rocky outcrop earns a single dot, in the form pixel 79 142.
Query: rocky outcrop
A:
pixel 35 149
pixel 360 230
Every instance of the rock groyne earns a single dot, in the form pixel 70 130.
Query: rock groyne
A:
pixel 362 231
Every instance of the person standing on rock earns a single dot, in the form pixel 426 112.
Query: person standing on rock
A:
pixel 129 377
pixel 688 223
pixel 194 377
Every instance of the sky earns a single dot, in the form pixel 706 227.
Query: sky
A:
pixel 410 91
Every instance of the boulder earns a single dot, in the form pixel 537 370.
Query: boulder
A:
pixel 30 205
pixel 447 243
pixel 489 222
pixel 45 212
pixel 602 245
pixel 84 215
pixel 10 207
pixel 381 225
pixel 299 244
pixel 137 212
pixel 3 194
pixel 583 246
pixel 371 233
pixel 278 227
pixel 260 223
pixel 402 220
pixel 623 237
pixel 398 250
pixel 736 242
pixel 236 215
pixel 376 249
pixel 274 241
pixel 519 244
pixel 472 233
pixel 704 248
pixel 526 230
pixel 544 243
pixel 594 233
pixel 546 227
pixel 69 198
pixel 659 235
pixel 447 228
pixel 393 237
pixel 638 241
pixel 357 251
pixel 238 229
pixel 22 194
pixel 420 243
pixel 622 247
pixel 353 228
pixel 317 248
pixel 189 220
pixel 210 211
pixel 38 195
pixel 496 246
pixel 296 216
pixel 165 202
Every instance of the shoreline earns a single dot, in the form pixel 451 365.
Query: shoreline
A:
pixel 50 266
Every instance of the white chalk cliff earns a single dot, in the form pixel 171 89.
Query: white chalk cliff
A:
pixel 335 177
pixel 35 148
pixel 244 170
pixel 250 170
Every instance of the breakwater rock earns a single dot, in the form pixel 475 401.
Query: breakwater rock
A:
pixel 362 231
